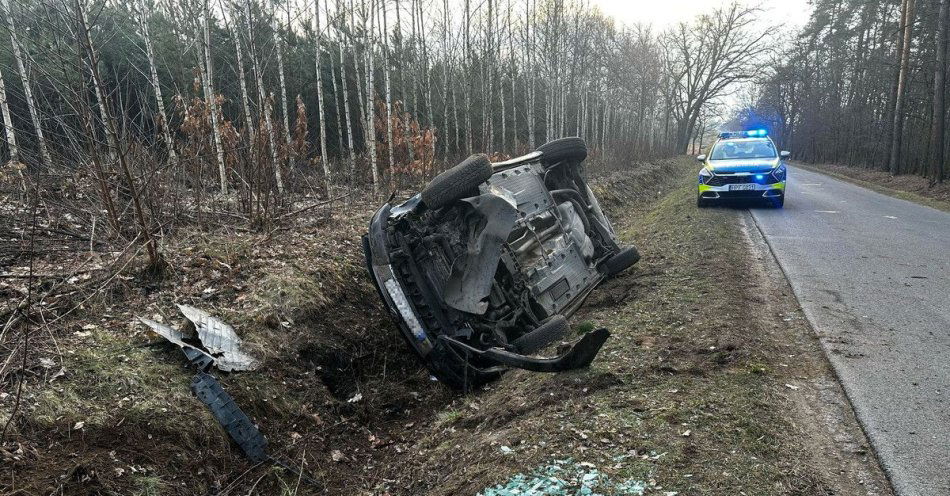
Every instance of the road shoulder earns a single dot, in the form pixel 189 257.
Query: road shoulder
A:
pixel 906 187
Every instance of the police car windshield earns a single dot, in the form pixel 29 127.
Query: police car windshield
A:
pixel 743 149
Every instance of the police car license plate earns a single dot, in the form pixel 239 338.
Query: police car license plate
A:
pixel 741 187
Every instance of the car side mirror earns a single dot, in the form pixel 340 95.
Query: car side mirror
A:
pixel 785 154
pixel 700 158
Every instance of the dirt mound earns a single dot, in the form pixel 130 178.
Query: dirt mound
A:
pixel 634 185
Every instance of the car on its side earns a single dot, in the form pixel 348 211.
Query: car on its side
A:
pixel 481 269
pixel 742 166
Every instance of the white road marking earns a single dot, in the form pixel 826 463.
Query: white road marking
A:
pixel 827 211
pixel 889 217
pixel 811 184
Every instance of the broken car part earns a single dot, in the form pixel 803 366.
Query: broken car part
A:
pixel 480 269
pixel 206 387
pixel 244 433
pixel 220 340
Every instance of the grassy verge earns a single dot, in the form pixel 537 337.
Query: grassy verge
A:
pixel 690 394
pixel 907 187
pixel 693 394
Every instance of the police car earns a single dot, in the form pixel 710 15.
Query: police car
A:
pixel 742 166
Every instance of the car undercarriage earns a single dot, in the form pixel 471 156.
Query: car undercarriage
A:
pixel 481 269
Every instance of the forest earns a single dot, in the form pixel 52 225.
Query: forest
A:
pixel 864 84
pixel 243 98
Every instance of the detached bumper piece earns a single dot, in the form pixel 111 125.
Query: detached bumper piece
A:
pixel 579 356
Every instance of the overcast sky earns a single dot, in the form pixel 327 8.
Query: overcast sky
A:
pixel 663 13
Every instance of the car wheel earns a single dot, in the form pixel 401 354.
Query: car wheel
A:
pixel 552 329
pixel 573 149
pixel 779 202
pixel 701 202
pixel 458 182
pixel 624 259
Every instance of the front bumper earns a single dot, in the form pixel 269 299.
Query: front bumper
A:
pixel 750 191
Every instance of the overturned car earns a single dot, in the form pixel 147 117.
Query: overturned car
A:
pixel 481 269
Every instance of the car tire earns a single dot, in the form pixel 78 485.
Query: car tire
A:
pixel 779 202
pixel 621 261
pixel 552 329
pixel 701 202
pixel 573 149
pixel 458 182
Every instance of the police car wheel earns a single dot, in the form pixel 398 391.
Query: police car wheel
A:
pixel 701 202
pixel 778 202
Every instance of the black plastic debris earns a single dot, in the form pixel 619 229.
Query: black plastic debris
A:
pixel 237 424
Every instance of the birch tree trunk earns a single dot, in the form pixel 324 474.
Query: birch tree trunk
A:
pixel 445 78
pixel 389 99
pixel 340 134
pixel 27 89
pixel 265 100
pixel 212 100
pixel 426 71
pixel 9 132
pixel 283 85
pixel 324 156
pixel 370 127
pixel 242 79
pixel 488 104
pixel 356 66
pixel 468 79
pixel 529 71
pixel 156 86
pixel 407 116
pixel 346 108
pixel 458 123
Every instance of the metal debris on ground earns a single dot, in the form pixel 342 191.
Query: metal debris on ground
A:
pixel 220 340
pixel 195 355
pixel 568 478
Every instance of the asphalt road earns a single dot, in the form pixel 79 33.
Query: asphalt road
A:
pixel 872 274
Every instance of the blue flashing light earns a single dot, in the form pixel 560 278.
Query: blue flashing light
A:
pixel 759 177
pixel 757 132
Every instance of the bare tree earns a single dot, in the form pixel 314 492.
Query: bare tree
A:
pixel 265 100
pixel 212 99
pixel 907 24
pixel 324 153
pixel 155 259
pixel 9 132
pixel 156 85
pixel 370 94
pixel 937 134
pixel 242 78
pixel 27 87
pixel 708 57
pixel 283 85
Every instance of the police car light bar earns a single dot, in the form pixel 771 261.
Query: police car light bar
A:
pixel 752 133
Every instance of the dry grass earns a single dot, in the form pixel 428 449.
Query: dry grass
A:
pixel 685 356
